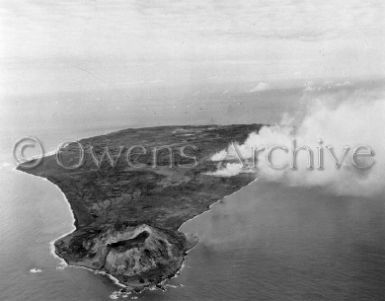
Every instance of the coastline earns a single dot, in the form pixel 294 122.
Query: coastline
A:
pixel 213 205
pixel 52 250
pixel 179 243
pixel 64 264
pixel 195 243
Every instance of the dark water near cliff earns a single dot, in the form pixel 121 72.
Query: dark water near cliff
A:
pixel 265 242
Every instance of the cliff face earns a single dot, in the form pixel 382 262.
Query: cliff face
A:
pixel 127 214
pixel 136 255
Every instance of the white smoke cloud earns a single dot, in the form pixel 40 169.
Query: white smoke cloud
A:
pixel 260 87
pixel 339 120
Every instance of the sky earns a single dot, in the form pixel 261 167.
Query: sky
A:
pixel 70 66
pixel 48 46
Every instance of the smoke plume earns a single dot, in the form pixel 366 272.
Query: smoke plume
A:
pixel 339 120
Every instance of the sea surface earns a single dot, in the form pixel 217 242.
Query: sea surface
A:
pixel 264 242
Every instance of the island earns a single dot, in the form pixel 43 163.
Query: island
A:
pixel 131 190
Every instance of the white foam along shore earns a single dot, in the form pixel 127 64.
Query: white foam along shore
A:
pixel 63 264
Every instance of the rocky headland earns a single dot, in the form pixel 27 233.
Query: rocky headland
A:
pixel 129 206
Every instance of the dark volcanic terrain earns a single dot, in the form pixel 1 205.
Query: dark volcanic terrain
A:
pixel 127 216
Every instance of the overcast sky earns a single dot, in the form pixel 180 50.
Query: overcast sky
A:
pixel 61 45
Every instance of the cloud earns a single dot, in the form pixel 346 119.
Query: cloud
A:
pixel 35 271
pixel 5 165
pixel 186 41
pixel 355 121
pixel 232 169
pixel 260 87
pixel 310 86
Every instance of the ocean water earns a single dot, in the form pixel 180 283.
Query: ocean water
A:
pixel 261 243
pixel 264 242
